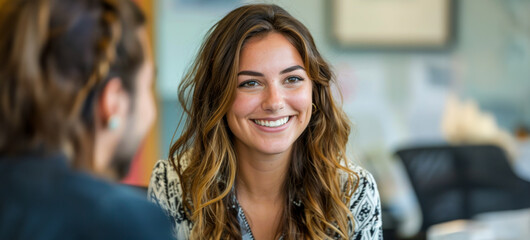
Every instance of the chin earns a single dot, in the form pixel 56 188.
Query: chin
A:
pixel 272 150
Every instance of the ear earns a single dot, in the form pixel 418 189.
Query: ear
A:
pixel 113 102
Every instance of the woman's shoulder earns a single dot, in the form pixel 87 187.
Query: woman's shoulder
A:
pixel 164 185
pixel 366 190
pixel 362 178
pixel 163 171
pixel 165 191
pixel 365 204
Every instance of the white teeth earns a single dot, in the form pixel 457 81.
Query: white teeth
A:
pixel 276 123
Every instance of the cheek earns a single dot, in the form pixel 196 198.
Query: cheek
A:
pixel 146 109
pixel 302 101
pixel 151 107
pixel 242 108
pixel 244 104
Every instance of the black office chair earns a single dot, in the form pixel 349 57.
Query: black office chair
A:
pixel 458 182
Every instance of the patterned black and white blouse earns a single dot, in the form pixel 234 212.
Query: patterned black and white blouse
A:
pixel 165 191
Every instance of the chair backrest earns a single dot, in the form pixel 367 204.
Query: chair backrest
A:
pixel 458 182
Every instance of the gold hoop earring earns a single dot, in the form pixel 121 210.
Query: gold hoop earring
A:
pixel 314 107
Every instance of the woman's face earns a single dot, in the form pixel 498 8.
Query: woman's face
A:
pixel 273 100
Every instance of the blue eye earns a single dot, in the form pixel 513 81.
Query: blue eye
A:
pixel 249 84
pixel 293 79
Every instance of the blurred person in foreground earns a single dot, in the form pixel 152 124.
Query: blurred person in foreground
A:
pixel 75 102
pixel 262 155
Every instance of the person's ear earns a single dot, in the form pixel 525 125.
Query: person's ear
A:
pixel 113 104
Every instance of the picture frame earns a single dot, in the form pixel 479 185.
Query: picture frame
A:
pixel 392 23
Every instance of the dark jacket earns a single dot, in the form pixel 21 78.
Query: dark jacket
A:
pixel 42 198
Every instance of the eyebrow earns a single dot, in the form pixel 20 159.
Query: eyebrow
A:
pixel 251 73
pixel 258 74
pixel 290 69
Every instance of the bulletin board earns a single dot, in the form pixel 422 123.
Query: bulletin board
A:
pixel 391 23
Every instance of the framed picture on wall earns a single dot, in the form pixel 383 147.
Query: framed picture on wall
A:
pixel 392 23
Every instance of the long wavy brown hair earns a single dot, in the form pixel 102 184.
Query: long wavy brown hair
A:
pixel 55 57
pixel 204 155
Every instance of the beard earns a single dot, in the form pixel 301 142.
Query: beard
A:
pixel 126 151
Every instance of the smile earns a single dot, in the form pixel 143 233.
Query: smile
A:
pixel 272 124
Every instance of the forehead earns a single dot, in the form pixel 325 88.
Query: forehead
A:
pixel 268 50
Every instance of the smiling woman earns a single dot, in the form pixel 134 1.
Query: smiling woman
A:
pixel 272 104
pixel 264 157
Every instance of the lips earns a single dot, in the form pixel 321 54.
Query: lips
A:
pixel 272 124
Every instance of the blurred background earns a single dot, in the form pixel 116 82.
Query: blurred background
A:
pixel 438 91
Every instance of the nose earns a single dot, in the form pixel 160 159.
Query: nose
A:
pixel 273 99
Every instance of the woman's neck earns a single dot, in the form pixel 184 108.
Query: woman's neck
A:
pixel 261 176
